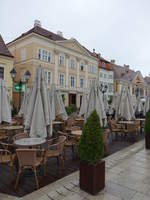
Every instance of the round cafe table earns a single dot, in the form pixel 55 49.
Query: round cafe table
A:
pixel 125 122
pixel 29 142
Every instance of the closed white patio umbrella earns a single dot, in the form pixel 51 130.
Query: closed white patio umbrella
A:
pixel 5 107
pixel 25 102
pixel 95 102
pixel 139 106
pixel 125 109
pixel 84 104
pixel 57 104
pixel 115 101
pixel 38 118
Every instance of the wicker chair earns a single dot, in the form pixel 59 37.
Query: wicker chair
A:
pixel 115 128
pixel 7 157
pixel 132 132
pixel 55 148
pixel 3 135
pixel 28 159
pixel 71 142
pixel 20 136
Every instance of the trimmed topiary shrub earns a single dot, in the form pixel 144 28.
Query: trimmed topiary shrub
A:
pixel 91 145
pixel 147 123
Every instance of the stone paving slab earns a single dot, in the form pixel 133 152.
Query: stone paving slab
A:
pixel 127 178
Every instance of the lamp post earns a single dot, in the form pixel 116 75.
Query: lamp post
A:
pixel 27 76
pixel 103 89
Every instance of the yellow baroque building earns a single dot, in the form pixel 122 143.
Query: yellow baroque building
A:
pixel 6 64
pixel 68 64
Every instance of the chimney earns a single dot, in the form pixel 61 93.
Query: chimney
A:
pixel 60 33
pixel 37 23
pixel 99 55
pixel 126 67
pixel 113 61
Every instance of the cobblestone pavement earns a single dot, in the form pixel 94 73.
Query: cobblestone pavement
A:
pixel 127 178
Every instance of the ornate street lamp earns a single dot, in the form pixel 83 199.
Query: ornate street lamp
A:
pixel 13 73
pixel 27 76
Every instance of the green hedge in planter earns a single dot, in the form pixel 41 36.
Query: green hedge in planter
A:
pixel 71 109
pixel 91 145
pixel 147 123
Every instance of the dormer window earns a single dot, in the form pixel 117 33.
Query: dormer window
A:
pixel 103 64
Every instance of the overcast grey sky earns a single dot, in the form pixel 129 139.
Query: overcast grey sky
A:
pixel 118 29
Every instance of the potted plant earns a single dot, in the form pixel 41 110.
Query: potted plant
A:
pixel 90 152
pixel 147 130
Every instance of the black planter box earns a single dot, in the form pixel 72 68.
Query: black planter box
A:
pixel 92 177
pixel 147 141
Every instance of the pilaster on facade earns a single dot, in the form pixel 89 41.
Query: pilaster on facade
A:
pixel 56 66
pixel 78 72
pixel 86 74
pixel 67 69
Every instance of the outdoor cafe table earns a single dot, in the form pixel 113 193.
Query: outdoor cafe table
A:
pixel 11 130
pixel 125 123
pixel 29 142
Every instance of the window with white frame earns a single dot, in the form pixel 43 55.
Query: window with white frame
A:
pixel 110 76
pixel 72 64
pixel 81 82
pixel 91 82
pixel 92 69
pixel 72 81
pixel 101 74
pixel 44 55
pixel 61 79
pixel 110 88
pixel 105 75
pixel 48 76
pixel 23 54
pixel 61 60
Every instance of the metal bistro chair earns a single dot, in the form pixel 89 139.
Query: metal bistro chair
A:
pixel 55 149
pixel 28 159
